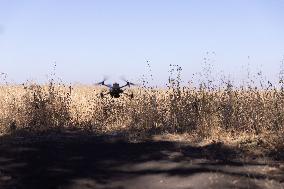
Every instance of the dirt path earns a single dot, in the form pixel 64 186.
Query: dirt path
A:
pixel 103 162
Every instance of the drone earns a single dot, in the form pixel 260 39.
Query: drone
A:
pixel 115 90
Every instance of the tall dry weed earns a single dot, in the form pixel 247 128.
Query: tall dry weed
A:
pixel 206 110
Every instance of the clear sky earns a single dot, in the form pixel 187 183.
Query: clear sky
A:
pixel 92 38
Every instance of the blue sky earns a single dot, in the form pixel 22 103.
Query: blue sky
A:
pixel 89 39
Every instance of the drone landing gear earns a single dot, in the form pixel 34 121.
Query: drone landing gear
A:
pixel 102 95
pixel 130 95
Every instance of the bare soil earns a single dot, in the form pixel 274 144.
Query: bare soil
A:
pixel 77 160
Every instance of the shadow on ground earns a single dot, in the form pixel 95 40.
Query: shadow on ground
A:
pixel 73 160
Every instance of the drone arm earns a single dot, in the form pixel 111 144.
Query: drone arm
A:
pixel 107 85
pixel 124 86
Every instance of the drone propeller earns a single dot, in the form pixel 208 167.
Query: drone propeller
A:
pixel 102 82
pixel 127 82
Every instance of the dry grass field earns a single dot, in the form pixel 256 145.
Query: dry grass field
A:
pixel 60 136
pixel 248 117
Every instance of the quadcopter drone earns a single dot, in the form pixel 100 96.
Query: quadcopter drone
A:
pixel 115 91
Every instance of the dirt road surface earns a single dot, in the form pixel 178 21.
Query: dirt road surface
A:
pixel 85 162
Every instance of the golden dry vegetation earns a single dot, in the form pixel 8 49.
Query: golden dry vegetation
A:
pixel 206 113
pixel 245 116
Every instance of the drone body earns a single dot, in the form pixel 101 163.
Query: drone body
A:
pixel 115 90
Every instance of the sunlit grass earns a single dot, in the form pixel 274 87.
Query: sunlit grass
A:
pixel 228 114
